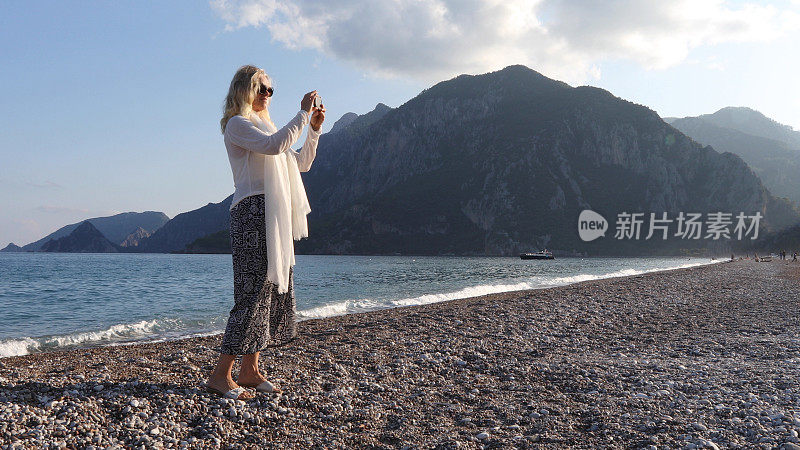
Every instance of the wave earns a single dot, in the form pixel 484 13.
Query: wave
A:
pixel 165 329
pixel 145 330
pixel 363 305
pixel 17 347
pixel 561 281
pixel 340 308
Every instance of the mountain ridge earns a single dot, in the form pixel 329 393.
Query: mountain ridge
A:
pixel 85 238
pixel 186 227
pixel 755 123
pixel 511 129
pixel 775 161
pixel 115 228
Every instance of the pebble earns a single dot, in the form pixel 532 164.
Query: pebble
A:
pixel 704 443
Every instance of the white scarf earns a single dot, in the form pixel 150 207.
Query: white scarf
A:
pixel 285 210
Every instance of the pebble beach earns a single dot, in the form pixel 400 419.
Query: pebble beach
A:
pixel 705 357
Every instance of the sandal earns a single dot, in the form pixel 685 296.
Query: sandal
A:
pixel 265 386
pixel 233 394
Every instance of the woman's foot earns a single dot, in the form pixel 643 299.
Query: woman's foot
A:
pixel 221 386
pixel 254 379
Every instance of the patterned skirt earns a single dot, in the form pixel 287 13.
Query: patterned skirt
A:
pixel 260 316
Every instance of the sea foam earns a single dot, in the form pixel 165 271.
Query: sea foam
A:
pixel 123 331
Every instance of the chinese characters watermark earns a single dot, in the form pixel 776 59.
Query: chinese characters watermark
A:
pixel 714 226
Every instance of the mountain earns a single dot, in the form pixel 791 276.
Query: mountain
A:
pixel 754 123
pixel 115 228
pixel 352 124
pixel 504 162
pixel 184 228
pixel 343 122
pixel 135 237
pixel 85 238
pixel 775 159
pixel 787 239
pixel 12 247
pixel 219 242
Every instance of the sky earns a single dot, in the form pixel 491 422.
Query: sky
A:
pixel 110 107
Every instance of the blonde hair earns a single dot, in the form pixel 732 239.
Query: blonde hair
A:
pixel 242 93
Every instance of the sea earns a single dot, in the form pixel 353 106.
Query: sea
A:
pixel 52 301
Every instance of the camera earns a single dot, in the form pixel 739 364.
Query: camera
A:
pixel 317 101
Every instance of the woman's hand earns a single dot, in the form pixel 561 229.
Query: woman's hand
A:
pixel 308 101
pixel 318 117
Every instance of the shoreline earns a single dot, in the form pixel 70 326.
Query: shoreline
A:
pixel 27 342
pixel 690 357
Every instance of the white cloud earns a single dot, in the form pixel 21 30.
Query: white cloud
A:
pixel 566 39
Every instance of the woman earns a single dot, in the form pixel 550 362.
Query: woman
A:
pixel 268 211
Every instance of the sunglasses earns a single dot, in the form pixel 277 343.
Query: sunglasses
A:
pixel 264 90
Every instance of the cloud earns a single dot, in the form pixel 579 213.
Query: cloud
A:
pixel 44 184
pixel 61 209
pixel 435 39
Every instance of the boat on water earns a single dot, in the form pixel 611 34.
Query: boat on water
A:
pixel 544 254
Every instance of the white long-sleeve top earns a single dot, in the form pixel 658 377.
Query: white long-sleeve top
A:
pixel 248 146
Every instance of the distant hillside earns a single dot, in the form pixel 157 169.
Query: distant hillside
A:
pixel 353 124
pixel 219 242
pixel 85 238
pixel 115 228
pixel 134 238
pixel 184 228
pixel 343 122
pixel 754 123
pixel 788 240
pixel 776 162
pixel 12 247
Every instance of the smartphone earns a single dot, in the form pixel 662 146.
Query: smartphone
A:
pixel 317 101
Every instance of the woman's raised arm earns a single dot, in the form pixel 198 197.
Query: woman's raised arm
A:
pixel 309 150
pixel 243 133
